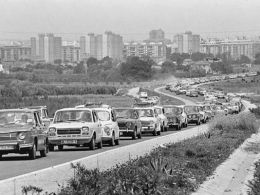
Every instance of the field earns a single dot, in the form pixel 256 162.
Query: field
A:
pixel 57 102
pixel 247 85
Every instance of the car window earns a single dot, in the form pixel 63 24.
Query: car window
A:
pixel 103 115
pixel 73 115
pixel 158 111
pixel 145 113
pixel 16 118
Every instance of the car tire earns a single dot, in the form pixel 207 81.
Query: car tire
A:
pixel 60 147
pixel 112 141
pixel 32 152
pixel 166 128
pixel 100 144
pixel 154 132
pixel 139 136
pixel 51 147
pixel 44 152
pixel 162 128
pixel 134 134
pixel 92 143
pixel 117 141
pixel 158 132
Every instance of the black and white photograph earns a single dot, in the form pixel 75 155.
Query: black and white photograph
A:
pixel 129 97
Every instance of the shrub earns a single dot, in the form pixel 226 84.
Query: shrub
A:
pixel 255 184
pixel 242 121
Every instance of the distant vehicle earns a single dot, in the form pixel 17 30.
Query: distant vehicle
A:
pixel 22 131
pixel 220 109
pixel 208 110
pixel 75 127
pixel 143 94
pixel 129 122
pixel 149 119
pixel 204 115
pixel 176 116
pixel 193 114
pixel 194 93
pixel 167 87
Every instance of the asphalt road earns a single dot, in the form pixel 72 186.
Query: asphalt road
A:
pixel 12 165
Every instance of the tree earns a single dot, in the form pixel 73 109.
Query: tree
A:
pixel 92 61
pixel 57 61
pixel 257 59
pixel 168 66
pixel 244 60
pixel 222 67
pixel 136 68
pixel 79 69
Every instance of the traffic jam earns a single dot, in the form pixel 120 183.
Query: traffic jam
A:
pixel 29 130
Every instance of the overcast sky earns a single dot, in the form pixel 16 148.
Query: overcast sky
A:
pixel 131 18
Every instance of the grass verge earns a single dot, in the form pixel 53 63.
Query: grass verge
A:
pixel 174 169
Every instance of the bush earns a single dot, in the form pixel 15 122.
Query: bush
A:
pixel 243 121
pixel 255 184
pixel 256 111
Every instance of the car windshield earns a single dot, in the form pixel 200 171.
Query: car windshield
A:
pixel 103 115
pixel 190 109
pixel 73 115
pixel 16 117
pixel 125 113
pixel 173 110
pixel 145 112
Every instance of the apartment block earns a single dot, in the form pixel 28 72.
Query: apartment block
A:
pixel 187 42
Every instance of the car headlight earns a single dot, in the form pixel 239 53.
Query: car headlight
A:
pixel 107 130
pixel 52 130
pixel 86 129
pixel 21 135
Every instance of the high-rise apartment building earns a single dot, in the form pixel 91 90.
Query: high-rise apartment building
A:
pixel 187 42
pixel 33 48
pixel 41 46
pixel 156 35
pixel 155 50
pixel 82 45
pixel 70 53
pixel 57 48
pixel 102 45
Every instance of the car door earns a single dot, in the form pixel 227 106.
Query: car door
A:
pixel 114 124
pixel 97 127
pixel 39 132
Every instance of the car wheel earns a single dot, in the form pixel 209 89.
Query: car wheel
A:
pixel 60 147
pixel 112 141
pixel 44 151
pixel 134 134
pixel 92 143
pixel 158 132
pixel 100 144
pixel 162 128
pixel 32 152
pixel 51 147
pixel 155 132
pixel 117 141
pixel 165 128
pixel 139 135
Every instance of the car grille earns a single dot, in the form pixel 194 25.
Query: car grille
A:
pixel 145 123
pixel 172 119
pixel 122 125
pixel 68 131
pixel 7 136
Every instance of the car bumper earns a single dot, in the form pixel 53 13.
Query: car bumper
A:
pixel 170 124
pixel 69 141
pixel 193 120
pixel 14 147
pixel 126 132
pixel 148 129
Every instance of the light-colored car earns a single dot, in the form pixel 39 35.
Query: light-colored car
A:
pixel 22 132
pixel 208 110
pixel 149 120
pixel 176 116
pixel 110 129
pixel 128 122
pixel 159 110
pixel 204 115
pixel 75 127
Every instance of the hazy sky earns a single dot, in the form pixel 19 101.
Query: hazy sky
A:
pixel 131 18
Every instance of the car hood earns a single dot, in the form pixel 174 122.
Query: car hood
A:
pixel 171 115
pixel 70 125
pixel 147 119
pixel 15 128
pixel 124 120
pixel 191 113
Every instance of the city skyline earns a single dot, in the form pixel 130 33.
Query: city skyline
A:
pixel 70 19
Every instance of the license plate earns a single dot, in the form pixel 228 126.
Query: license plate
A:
pixel 6 147
pixel 69 141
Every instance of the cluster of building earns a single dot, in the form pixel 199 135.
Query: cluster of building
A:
pixel 49 48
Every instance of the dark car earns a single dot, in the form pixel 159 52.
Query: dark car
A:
pixel 176 116
pixel 193 114
pixel 128 122
pixel 22 131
